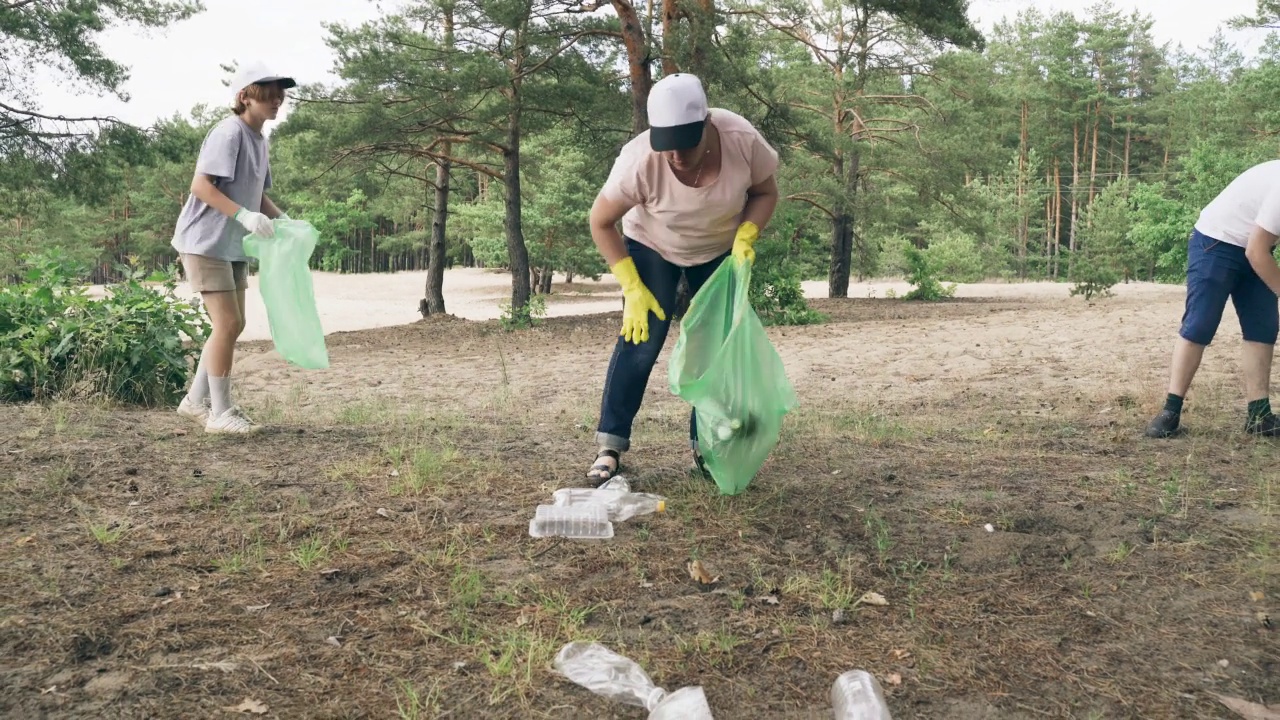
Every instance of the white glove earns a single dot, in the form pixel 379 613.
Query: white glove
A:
pixel 255 222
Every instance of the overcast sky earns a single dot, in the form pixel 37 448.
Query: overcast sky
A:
pixel 173 70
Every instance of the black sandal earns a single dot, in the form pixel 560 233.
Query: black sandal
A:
pixel 701 465
pixel 601 473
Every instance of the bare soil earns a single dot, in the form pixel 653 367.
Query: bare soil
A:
pixel 368 554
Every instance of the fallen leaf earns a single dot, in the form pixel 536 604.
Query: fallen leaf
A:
pixel 1263 618
pixel 256 608
pixel 1249 710
pixel 179 432
pixel 384 513
pixel 330 571
pixel 50 689
pixel 26 540
pixel 893 679
pixel 901 654
pixel 333 641
pixel 699 572
pixel 872 598
pixel 1256 596
pixel 646 584
pixel 248 706
pixel 769 599
pixel 394 473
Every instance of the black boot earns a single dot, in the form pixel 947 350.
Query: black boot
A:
pixel 1165 425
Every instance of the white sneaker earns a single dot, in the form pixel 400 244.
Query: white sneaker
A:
pixel 195 411
pixel 231 421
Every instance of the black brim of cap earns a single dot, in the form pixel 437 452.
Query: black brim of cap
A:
pixel 676 137
pixel 285 82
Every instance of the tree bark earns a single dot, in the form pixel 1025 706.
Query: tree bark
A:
pixel 517 253
pixel 433 302
pixel 842 229
pixel 670 16
pixel 633 38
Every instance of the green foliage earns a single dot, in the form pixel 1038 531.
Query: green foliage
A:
pixel 63 36
pixel 775 292
pixel 525 316
pixel 132 346
pixel 921 274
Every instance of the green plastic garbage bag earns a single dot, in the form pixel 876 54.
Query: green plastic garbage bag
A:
pixel 284 281
pixel 724 365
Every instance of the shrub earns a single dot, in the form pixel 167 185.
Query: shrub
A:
pixel 134 346
pixel 921 274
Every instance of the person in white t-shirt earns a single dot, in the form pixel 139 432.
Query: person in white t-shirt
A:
pixel 1229 255
pixel 695 188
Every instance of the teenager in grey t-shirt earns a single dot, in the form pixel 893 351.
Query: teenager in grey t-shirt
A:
pixel 228 201
pixel 235 156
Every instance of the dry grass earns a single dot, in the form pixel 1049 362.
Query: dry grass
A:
pixel 369 556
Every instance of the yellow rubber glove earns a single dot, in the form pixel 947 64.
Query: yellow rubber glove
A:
pixel 744 241
pixel 637 302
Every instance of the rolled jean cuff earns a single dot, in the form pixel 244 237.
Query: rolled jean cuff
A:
pixel 613 442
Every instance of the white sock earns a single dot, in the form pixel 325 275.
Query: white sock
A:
pixel 220 394
pixel 199 391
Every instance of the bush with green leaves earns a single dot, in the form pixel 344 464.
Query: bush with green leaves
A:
pixel 921 274
pixel 775 292
pixel 134 345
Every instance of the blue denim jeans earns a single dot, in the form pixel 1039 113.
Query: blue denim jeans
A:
pixel 1217 270
pixel 631 364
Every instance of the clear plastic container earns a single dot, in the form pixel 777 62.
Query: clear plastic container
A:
pixel 580 522
pixel 856 695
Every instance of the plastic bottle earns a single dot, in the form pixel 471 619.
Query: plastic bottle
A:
pixel 618 501
pixel 856 695
pixel 582 522
pixel 610 675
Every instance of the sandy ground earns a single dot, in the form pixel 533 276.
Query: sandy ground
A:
pixel 362 302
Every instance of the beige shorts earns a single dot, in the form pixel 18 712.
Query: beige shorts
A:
pixel 208 274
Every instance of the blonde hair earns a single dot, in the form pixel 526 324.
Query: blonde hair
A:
pixel 261 92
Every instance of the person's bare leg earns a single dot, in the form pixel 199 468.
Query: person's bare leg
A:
pixel 1257 389
pixel 1257 370
pixel 1186 361
pixel 219 350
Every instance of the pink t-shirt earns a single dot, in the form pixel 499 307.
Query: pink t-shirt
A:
pixel 690 226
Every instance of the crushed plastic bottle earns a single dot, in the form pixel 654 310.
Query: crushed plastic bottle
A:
pixel 616 497
pixel 610 675
pixel 580 522
pixel 856 695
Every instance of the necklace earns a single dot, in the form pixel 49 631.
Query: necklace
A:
pixel 701 165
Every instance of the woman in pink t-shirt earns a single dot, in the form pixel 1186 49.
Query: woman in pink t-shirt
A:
pixel 693 189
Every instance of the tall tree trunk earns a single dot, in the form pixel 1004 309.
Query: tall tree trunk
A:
pixel 670 16
pixel 1075 187
pixel 1023 213
pixel 635 40
pixel 1057 215
pixel 517 253
pixel 1093 162
pixel 842 228
pixel 433 302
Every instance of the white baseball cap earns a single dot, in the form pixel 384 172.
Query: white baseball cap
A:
pixel 259 73
pixel 677 112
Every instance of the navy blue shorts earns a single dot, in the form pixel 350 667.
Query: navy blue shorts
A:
pixel 1217 270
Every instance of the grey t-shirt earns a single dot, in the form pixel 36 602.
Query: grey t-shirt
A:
pixel 235 155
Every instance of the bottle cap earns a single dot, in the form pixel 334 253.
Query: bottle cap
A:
pixel 662 506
